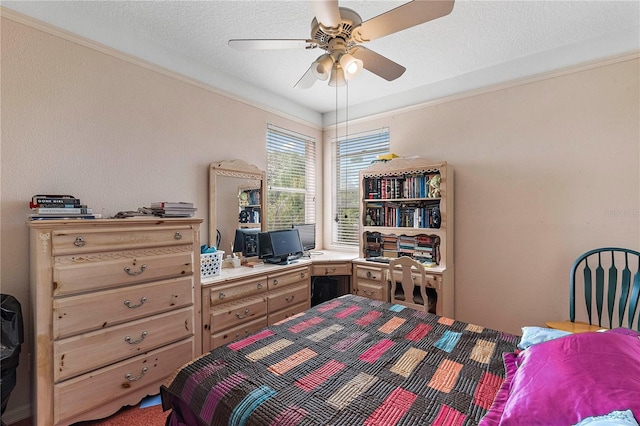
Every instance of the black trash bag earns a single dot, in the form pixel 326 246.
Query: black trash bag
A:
pixel 11 340
pixel 12 329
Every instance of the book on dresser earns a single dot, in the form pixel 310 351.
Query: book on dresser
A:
pixel 47 207
pixel 172 209
pixel 44 201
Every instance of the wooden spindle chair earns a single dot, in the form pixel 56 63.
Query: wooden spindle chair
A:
pixel 612 292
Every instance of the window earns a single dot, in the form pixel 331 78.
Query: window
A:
pixel 350 155
pixel 291 171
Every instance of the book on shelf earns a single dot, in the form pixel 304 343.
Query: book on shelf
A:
pixel 61 210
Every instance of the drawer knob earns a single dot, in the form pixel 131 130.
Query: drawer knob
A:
pixel 177 236
pixel 368 274
pixel 368 292
pixel 130 306
pixel 290 299
pixel 246 313
pixel 275 282
pixel 79 242
pixel 221 295
pixel 135 342
pixel 130 378
pixel 259 285
pixel 327 271
pixel 134 273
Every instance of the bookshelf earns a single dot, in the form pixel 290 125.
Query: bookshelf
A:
pixel 249 207
pixel 407 210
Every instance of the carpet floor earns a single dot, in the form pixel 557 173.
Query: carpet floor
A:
pixel 132 416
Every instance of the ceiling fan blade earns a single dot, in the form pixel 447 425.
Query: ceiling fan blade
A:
pixel 307 79
pixel 402 17
pixel 327 13
pixel 377 64
pixel 265 44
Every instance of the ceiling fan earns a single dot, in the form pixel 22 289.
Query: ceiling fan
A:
pixel 340 32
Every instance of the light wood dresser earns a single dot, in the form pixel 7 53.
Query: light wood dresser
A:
pixel 115 306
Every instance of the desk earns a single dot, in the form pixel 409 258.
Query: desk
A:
pixel 330 275
pixel 243 300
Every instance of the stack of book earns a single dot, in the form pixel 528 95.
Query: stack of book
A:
pixel 59 207
pixel 172 209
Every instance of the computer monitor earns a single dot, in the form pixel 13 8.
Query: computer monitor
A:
pixel 265 251
pixel 246 241
pixel 281 247
pixel 307 235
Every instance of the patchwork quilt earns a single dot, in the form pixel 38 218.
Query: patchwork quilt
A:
pixel 348 361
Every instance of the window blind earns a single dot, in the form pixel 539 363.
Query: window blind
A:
pixel 350 155
pixel 291 170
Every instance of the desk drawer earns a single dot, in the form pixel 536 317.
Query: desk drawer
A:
pixel 94 240
pixel 88 312
pixel 80 354
pixel 89 273
pixel 227 293
pixel 330 269
pixel 281 280
pixel 288 297
pixel 369 273
pixel 237 313
pixel 92 390
pixel 288 312
pixel 372 290
pixel 232 334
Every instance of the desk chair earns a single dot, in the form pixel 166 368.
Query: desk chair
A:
pixel 621 288
pixel 412 292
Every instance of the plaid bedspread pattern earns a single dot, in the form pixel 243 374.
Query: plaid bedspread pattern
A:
pixel 348 361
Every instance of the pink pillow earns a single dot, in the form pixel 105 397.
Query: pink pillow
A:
pixel 562 381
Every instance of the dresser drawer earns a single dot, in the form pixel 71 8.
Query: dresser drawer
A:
pixel 92 390
pixel 288 296
pixel 80 354
pixel 369 273
pixel 93 311
pixel 281 280
pixel 371 290
pixel 94 240
pixel 236 313
pixel 235 333
pixel 288 312
pixel 330 269
pixel 99 271
pixel 227 293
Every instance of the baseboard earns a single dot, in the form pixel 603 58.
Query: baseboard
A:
pixel 16 414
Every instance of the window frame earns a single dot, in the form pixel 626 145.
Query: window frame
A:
pixel 376 142
pixel 282 141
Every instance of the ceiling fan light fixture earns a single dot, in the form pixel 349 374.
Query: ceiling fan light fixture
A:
pixel 351 66
pixel 322 67
pixel 337 76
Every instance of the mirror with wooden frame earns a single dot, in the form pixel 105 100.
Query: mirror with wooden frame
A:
pixel 237 197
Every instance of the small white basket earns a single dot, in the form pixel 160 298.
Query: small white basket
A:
pixel 210 264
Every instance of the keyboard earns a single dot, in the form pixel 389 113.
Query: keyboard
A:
pixel 378 259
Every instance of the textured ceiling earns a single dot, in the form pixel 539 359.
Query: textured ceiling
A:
pixel 478 44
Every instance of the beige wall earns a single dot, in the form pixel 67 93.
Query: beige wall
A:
pixel 538 166
pixel 544 171
pixel 113 133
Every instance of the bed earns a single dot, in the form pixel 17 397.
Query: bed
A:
pixel 356 361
